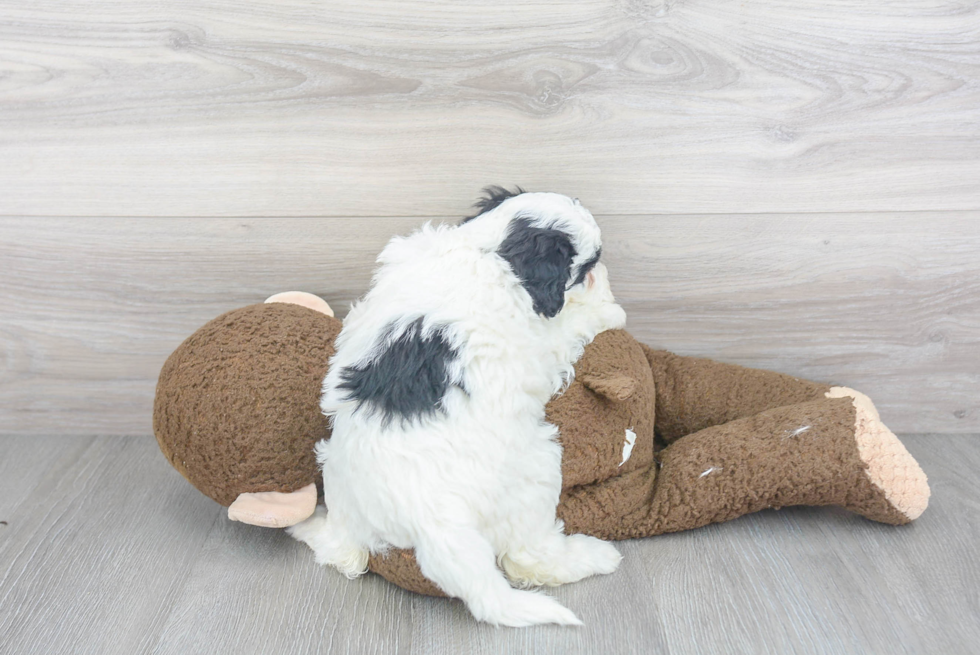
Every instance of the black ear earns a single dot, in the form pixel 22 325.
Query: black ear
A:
pixel 492 197
pixel 542 259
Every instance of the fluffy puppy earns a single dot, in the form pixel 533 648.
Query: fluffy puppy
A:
pixel 437 395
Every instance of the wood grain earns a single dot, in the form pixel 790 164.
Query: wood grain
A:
pixel 91 560
pixel 886 303
pixel 113 552
pixel 253 591
pixel 292 108
pixel 889 304
pixel 23 459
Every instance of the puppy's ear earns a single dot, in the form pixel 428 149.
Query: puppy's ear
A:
pixel 541 258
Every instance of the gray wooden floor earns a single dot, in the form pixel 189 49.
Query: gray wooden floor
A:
pixel 106 549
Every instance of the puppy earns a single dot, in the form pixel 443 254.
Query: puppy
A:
pixel 437 396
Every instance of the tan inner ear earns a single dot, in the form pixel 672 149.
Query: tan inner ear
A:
pixel 274 509
pixel 307 300
pixel 613 387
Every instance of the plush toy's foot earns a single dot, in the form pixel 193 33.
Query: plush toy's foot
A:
pixel 892 471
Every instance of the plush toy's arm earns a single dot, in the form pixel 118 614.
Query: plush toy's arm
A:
pixel 694 393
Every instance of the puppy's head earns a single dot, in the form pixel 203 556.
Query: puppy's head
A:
pixel 550 241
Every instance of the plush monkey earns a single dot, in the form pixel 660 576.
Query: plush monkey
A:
pixel 652 442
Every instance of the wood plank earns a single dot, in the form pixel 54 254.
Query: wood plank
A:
pixel 25 461
pixel 115 553
pixel 292 108
pixel 886 303
pixel 257 590
pixel 92 561
pixel 96 305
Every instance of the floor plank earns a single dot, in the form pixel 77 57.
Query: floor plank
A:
pixel 91 561
pixel 885 303
pixel 27 459
pixel 333 108
pixel 113 552
pixel 252 590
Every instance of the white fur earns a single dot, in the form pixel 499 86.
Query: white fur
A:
pixel 475 484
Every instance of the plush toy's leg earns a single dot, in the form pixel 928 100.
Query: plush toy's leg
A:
pixel 695 393
pixel 830 451
pixel 398 566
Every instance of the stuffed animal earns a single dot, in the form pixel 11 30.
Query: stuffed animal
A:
pixel 652 442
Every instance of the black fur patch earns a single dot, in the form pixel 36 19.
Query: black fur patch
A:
pixel 493 196
pixel 542 259
pixel 408 379
pixel 587 266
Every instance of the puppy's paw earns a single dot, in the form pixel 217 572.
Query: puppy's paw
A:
pixel 568 559
pixel 520 609
pixel 591 556
pixel 330 543
pixel 308 530
pixel 613 317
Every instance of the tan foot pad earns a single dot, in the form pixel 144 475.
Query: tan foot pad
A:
pixel 890 466
pixel 273 509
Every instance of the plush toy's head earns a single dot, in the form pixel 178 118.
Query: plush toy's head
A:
pixel 605 416
pixel 237 408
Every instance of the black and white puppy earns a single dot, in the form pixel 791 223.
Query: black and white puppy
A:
pixel 437 395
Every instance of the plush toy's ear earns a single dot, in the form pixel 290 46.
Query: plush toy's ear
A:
pixel 613 387
pixel 542 259
pixel 307 300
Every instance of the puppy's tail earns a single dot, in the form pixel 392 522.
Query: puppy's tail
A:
pixel 461 561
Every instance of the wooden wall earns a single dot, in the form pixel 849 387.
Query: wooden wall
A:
pixel 789 185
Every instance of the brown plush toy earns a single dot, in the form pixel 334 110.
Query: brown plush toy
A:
pixel 652 442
